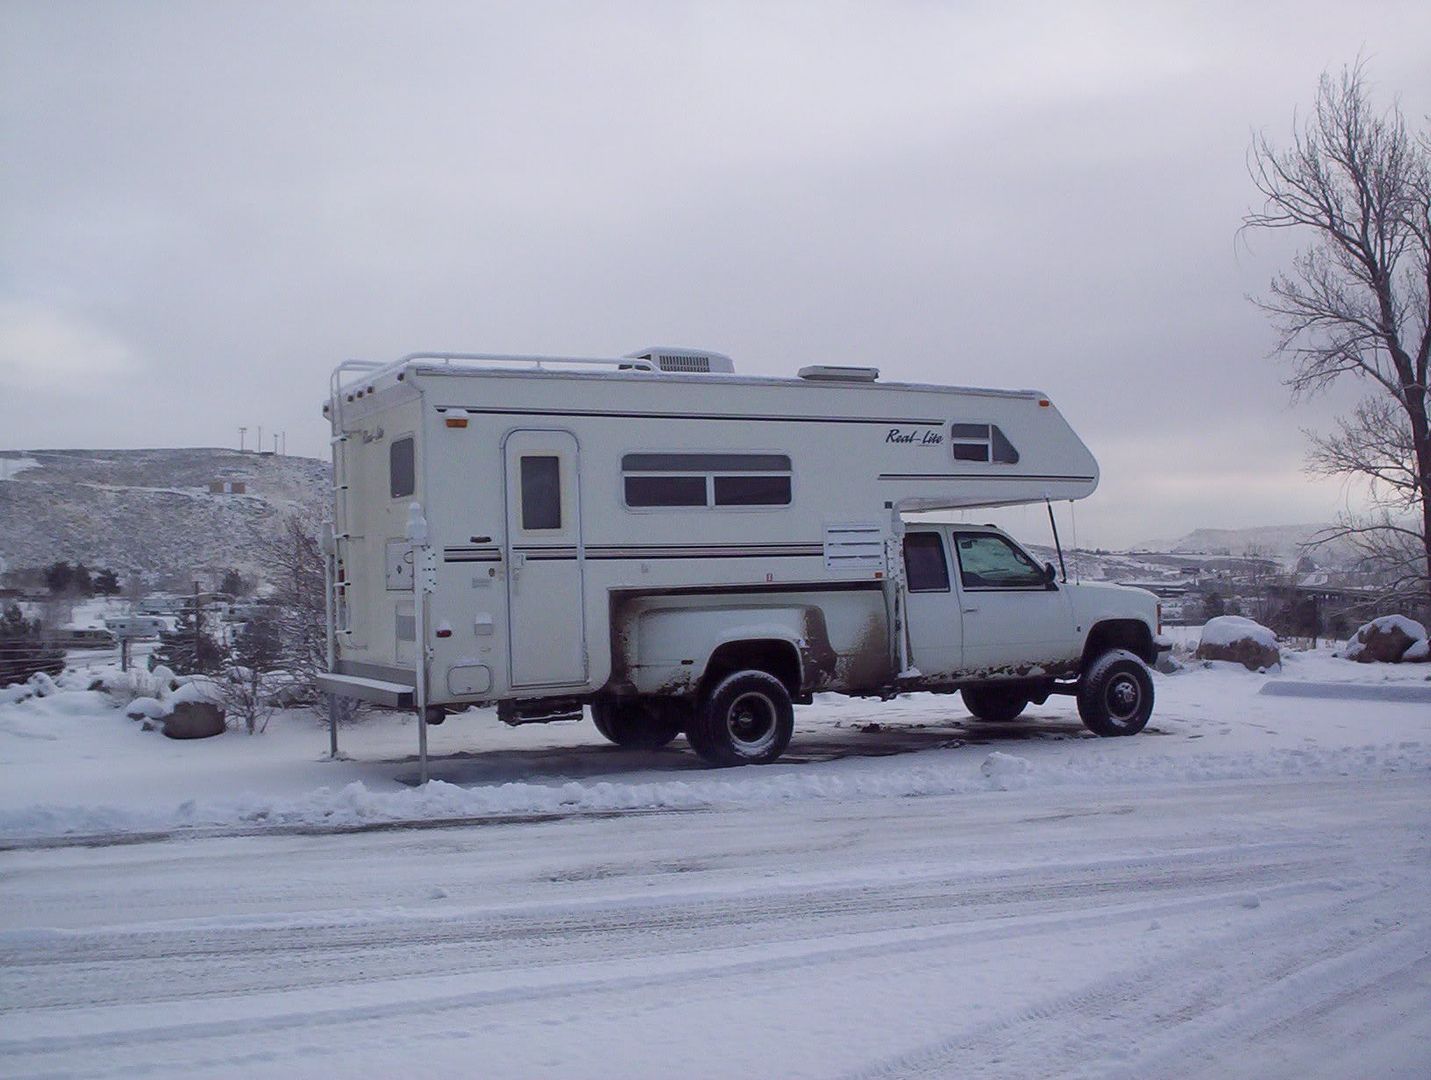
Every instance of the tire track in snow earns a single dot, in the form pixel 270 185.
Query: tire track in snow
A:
pixel 1116 1012
pixel 48 970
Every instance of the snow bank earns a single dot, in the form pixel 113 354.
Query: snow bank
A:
pixel 355 805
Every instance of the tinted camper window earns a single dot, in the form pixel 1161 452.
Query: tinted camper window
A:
pixel 981 442
pixel 402 468
pixel 706 480
pixel 541 492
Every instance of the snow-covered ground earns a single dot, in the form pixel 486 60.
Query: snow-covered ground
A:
pixel 1241 890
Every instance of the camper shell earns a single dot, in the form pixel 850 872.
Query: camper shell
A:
pixel 543 533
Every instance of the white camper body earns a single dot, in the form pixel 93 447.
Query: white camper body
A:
pixel 539 533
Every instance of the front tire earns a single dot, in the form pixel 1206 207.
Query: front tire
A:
pixel 994 704
pixel 635 725
pixel 745 719
pixel 1115 695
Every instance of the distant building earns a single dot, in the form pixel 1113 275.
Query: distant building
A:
pixel 228 487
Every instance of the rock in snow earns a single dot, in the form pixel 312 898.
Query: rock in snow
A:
pixel 194 720
pixel 1388 640
pixel 1240 640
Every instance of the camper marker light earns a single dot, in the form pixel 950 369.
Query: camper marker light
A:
pixel 444 629
pixel 1044 403
pixel 456 421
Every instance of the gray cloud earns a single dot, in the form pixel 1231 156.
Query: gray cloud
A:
pixel 231 198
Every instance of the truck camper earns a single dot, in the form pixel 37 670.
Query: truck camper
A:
pixel 688 550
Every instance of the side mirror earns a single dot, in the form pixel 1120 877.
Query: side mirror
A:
pixel 1049 573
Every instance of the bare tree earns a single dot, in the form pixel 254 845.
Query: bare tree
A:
pixel 294 566
pixel 1357 303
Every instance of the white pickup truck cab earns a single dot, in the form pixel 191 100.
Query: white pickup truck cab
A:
pixel 682 549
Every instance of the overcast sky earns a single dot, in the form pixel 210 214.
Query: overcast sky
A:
pixel 203 207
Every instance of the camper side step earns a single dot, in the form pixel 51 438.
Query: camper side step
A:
pixel 379 692
pixel 539 711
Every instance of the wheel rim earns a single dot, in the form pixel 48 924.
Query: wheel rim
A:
pixel 752 722
pixel 1124 697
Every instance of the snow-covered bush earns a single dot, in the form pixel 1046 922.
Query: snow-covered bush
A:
pixel 1241 641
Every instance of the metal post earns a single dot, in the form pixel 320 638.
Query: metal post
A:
pixel 423 582
pixel 333 708
pixel 327 544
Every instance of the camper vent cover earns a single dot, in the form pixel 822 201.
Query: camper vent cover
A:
pixel 832 373
pixel 855 546
pixel 684 361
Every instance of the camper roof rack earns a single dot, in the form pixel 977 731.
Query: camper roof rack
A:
pixel 836 373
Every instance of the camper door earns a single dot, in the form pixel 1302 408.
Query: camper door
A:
pixel 546 618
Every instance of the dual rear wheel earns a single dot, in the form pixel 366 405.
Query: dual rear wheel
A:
pixel 744 718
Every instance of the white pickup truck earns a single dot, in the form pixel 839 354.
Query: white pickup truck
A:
pixel 981 616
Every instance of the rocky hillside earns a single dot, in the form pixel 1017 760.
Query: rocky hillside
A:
pixel 150 511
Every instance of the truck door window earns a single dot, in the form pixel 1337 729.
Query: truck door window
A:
pixel 541 492
pixel 402 468
pixel 924 564
pixel 991 562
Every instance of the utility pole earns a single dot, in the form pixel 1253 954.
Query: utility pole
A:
pixel 284 451
pixel 275 444
pixel 242 432
pixel 259 445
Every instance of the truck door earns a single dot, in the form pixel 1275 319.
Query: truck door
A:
pixel 546 616
pixel 931 607
pixel 1012 618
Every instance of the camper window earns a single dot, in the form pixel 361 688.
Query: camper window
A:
pixel 541 492
pixel 982 442
pixel 924 565
pixel 991 562
pixel 402 471
pixel 706 480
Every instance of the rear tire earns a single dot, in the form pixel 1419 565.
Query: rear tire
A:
pixel 994 704
pixel 745 719
pixel 1115 695
pixel 635 725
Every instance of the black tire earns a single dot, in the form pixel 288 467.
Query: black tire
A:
pixel 635 725
pixel 1115 695
pixel 744 719
pixel 994 704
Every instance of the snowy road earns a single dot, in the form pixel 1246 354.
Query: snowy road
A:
pixel 1242 927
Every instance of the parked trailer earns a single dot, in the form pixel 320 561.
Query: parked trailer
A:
pixel 686 549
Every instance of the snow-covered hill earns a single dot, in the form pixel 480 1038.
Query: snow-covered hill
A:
pixel 150 511
pixel 1281 542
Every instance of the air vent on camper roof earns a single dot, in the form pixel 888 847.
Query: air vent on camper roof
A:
pixel 687 361
pixel 833 373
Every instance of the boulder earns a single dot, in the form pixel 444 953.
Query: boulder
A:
pixel 194 720
pixel 1386 640
pixel 1420 653
pixel 1241 641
